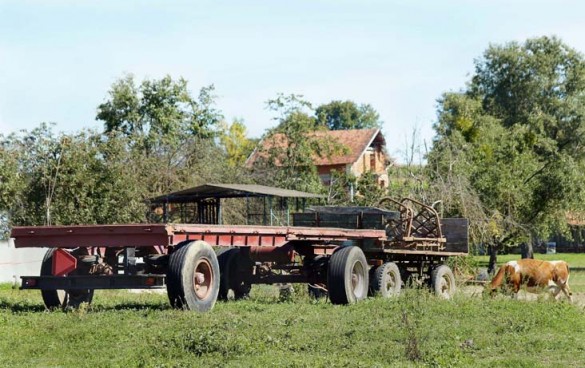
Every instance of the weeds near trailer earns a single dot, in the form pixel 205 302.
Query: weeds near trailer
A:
pixel 410 311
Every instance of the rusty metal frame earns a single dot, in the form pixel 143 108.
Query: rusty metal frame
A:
pixel 81 282
pixel 416 229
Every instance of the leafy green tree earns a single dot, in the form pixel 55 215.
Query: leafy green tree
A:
pixel 10 182
pixel 167 128
pixel 342 188
pixel 72 179
pixel 159 111
pixel 513 141
pixel 369 191
pixel 288 150
pixel 340 115
pixel 286 154
pixel 236 144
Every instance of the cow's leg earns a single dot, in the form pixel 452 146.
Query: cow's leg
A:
pixel 554 291
pixel 515 290
pixel 567 291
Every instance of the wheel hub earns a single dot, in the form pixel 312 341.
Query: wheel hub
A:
pixel 202 279
pixel 357 283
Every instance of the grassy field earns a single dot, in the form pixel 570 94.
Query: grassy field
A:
pixel 122 329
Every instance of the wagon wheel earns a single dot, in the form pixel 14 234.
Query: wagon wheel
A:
pixel 386 280
pixel 193 277
pixel 347 277
pixel 234 270
pixel 443 282
pixel 62 298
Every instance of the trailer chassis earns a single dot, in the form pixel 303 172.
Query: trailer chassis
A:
pixel 199 264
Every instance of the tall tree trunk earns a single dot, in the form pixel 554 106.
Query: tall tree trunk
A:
pixel 530 250
pixel 493 251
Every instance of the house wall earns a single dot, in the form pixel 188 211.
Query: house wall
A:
pixel 373 159
pixel 324 172
pixel 19 262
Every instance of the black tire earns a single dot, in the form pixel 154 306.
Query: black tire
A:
pixel 193 277
pixel 173 280
pixel 238 269
pixel 61 298
pixel 225 257
pixel 443 282
pixel 386 281
pixel 347 276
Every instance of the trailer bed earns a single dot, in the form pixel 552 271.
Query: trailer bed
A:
pixel 140 235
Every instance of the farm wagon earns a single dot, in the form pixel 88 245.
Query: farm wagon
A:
pixel 346 253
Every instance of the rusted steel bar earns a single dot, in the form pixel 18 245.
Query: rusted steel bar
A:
pixel 283 254
pixel 81 282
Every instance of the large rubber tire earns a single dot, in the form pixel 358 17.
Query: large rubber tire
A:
pixel 193 277
pixel 386 281
pixel 233 270
pixel 173 270
pixel 61 298
pixel 443 282
pixel 223 260
pixel 347 276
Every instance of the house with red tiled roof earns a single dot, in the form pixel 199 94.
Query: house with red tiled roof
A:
pixel 364 151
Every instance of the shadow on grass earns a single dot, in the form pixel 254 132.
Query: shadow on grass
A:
pixel 133 306
pixel 20 307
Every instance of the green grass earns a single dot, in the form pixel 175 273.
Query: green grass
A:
pixel 139 330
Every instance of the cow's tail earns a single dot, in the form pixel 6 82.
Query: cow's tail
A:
pixel 498 279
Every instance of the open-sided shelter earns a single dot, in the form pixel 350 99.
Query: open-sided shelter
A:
pixel 203 204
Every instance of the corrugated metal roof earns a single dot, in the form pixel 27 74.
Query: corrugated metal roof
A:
pixel 230 191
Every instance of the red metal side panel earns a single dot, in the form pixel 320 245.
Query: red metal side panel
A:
pixel 218 235
pixel 162 235
pixel 91 236
pixel 266 236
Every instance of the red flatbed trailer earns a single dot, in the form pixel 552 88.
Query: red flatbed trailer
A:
pixel 199 264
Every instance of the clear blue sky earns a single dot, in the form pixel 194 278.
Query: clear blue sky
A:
pixel 59 58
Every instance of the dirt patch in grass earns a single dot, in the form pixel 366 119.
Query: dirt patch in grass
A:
pixel 477 291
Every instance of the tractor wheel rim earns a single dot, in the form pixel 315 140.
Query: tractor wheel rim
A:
pixel 390 282
pixel 357 284
pixel 445 286
pixel 203 279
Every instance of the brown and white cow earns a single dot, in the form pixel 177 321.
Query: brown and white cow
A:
pixel 536 275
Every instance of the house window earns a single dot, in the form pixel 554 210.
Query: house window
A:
pixel 373 161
